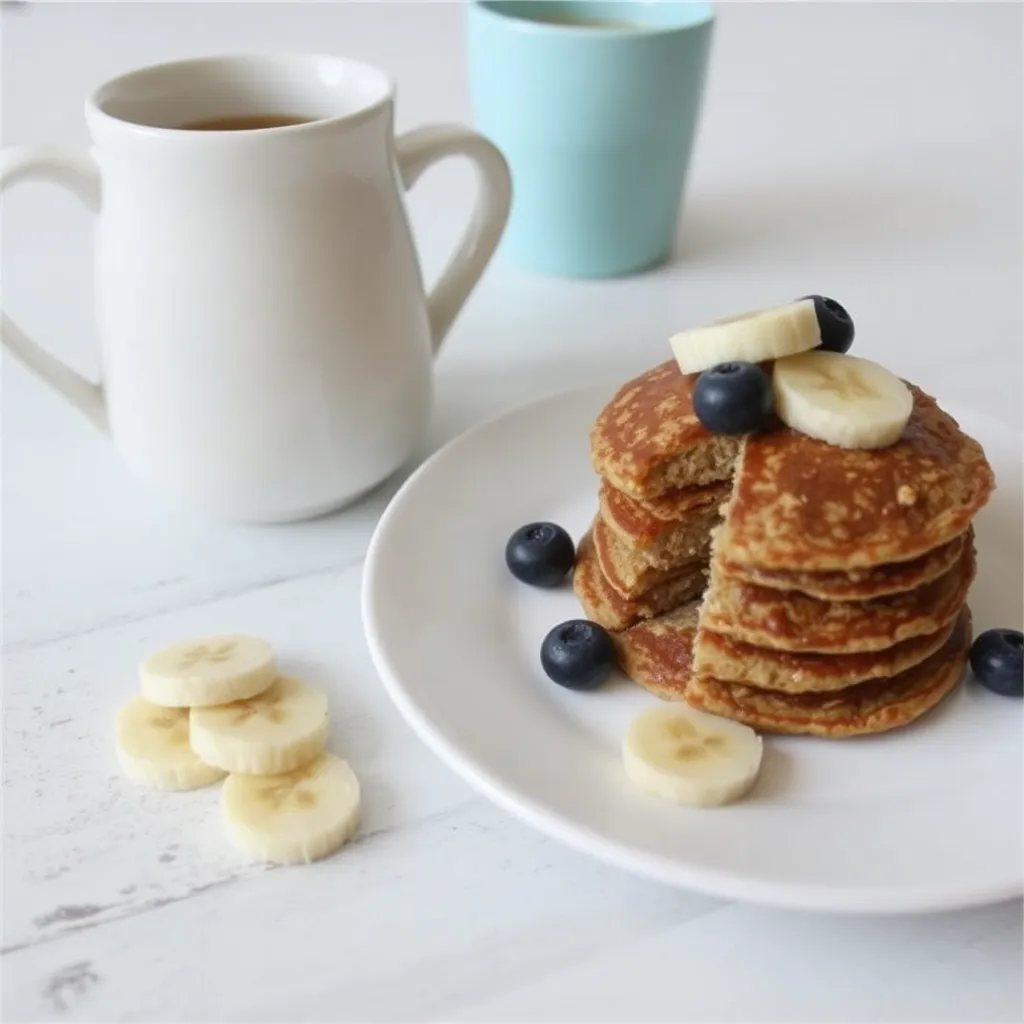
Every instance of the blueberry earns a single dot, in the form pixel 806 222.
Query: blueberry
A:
pixel 578 654
pixel 834 323
pixel 733 398
pixel 540 554
pixel 997 661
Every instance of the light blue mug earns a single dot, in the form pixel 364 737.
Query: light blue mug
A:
pixel 595 105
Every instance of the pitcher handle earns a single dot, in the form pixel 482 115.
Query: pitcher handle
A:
pixel 416 151
pixel 78 173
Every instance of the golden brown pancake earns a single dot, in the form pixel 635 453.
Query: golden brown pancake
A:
pixel 857 584
pixel 664 531
pixel 871 707
pixel 797 503
pixel 604 605
pixel 729 660
pixel 658 656
pixel 802 504
pixel 631 576
pixel 647 440
pixel 794 622
pixel 668 543
pixel 838 577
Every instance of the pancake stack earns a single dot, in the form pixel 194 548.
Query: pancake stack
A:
pixel 775 579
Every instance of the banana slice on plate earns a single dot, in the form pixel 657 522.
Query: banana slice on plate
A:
pixel 153 747
pixel 842 400
pixel 753 337
pixel 276 731
pixel 296 817
pixel 690 757
pixel 210 670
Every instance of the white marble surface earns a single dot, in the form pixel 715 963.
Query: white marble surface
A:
pixel 872 152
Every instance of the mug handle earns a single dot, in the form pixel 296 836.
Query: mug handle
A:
pixel 78 173
pixel 419 149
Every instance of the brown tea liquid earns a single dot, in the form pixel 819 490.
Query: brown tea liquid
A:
pixel 244 122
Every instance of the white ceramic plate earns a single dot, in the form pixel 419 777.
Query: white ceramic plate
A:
pixel 925 818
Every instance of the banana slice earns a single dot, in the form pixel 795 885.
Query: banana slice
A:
pixel 210 670
pixel 153 747
pixel 293 818
pixel 276 731
pixel 690 757
pixel 749 337
pixel 843 400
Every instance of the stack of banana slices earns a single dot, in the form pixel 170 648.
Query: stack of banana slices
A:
pixel 216 708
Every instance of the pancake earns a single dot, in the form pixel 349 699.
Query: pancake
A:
pixel 794 622
pixel 801 504
pixel 729 660
pixel 664 531
pixel 872 707
pixel 836 599
pixel 670 543
pixel 797 503
pixel 658 656
pixel 857 584
pixel 647 439
pixel 604 605
pixel 632 577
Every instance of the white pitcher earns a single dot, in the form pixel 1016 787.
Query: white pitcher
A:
pixel 266 342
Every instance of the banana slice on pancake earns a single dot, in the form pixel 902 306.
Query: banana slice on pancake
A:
pixel 753 337
pixel 843 400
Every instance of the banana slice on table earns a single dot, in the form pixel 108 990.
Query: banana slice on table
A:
pixel 749 337
pixel 690 757
pixel 843 400
pixel 276 731
pixel 209 670
pixel 296 817
pixel 153 747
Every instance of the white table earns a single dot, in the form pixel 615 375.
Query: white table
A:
pixel 872 153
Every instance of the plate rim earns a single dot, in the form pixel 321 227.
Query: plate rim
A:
pixel 727 885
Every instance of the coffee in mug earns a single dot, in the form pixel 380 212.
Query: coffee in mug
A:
pixel 244 122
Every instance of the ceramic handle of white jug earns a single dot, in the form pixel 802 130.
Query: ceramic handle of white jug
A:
pixel 78 173
pixel 419 149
